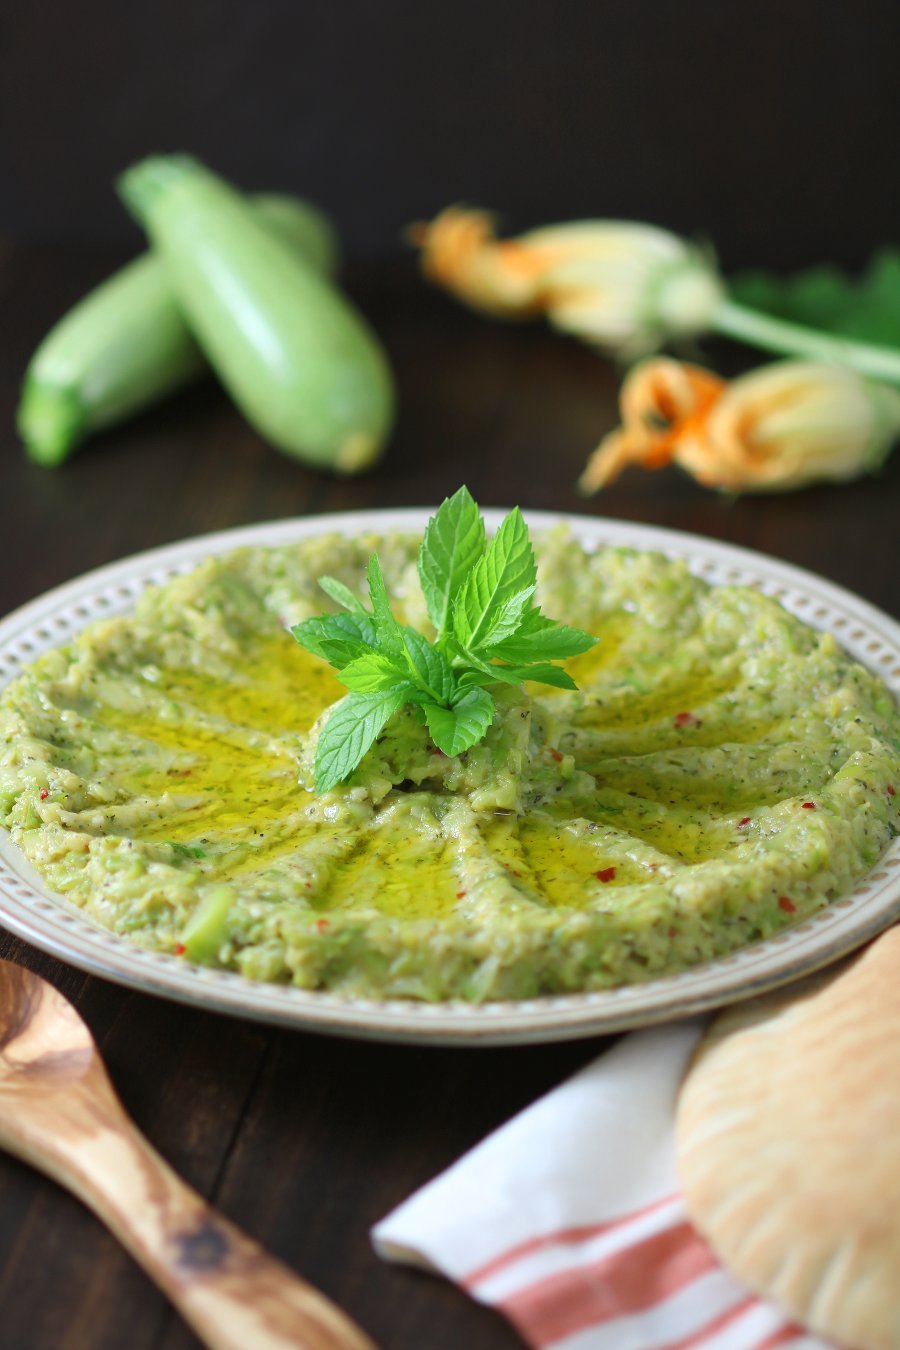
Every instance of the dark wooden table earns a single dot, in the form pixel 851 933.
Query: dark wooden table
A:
pixel 305 1140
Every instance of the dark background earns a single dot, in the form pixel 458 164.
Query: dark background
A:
pixel 769 126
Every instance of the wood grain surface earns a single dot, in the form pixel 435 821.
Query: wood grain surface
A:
pixel 60 1113
pixel 305 1141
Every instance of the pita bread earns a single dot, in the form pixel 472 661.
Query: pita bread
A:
pixel 788 1139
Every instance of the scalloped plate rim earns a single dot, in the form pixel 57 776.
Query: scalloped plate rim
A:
pixel 32 912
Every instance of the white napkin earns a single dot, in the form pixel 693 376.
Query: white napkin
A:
pixel 569 1220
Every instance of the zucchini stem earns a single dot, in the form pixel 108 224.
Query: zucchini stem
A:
pixel 793 339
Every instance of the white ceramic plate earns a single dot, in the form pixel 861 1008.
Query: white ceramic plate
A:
pixel 51 923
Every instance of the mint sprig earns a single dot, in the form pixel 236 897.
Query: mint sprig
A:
pixel 488 631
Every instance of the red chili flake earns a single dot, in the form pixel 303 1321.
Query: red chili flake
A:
pixel 744 820
pixel 44 794
pixel 321 925
pixel 460 894
pixel 687 719
pixel 439 752
pixel 671 932
pixel 606 874
pixel 809 806
pixel 890 789
pixel 787 905
pixel 557 755
pixel 179 949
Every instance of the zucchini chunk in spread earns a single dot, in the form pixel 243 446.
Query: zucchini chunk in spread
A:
pixel 721 772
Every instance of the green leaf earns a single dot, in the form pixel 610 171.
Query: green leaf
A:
pixel 430 668
pixel 456 729
pixel 372 672
pixel 539 638
pixel 533 621
pixel 496 591
pixel 540 672
pixel 490 632
pixel 866 308
pixel 386 626
pixel 453 543
pixel 337 638
pixel 342 595
pixel 508 618
pixel 468 679
pixel 351 730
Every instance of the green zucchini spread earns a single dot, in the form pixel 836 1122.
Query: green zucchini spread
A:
pixel 722 771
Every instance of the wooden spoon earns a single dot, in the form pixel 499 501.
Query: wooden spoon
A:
pixel 59 1112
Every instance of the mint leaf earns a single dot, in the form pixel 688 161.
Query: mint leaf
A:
pixel 480 598
pixel 453 543
pixel 507 618
pixel 337 638
pixel 456 729
pixel 386 626
pixel 351 730
pixel 540 638
pixel 496 591
pixel 429 667
pixel 342 595
pixel 372 672
pixel 533 621
pixel 539 672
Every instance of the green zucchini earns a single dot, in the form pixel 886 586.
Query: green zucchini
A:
pixel 126 346
pixel 296 357
pixel 207 928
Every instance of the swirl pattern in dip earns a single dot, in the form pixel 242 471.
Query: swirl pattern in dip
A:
pixel 722 772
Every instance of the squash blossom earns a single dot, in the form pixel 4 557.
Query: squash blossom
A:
pixel 781 426
pixel 624 287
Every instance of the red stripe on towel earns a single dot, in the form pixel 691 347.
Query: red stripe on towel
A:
pixel 626 1282
pixel 791 1331
pixel 560 1237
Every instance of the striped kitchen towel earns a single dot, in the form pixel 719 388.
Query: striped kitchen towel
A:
pixel 569 1220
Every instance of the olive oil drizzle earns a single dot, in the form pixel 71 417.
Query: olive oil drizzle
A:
pixel 213 758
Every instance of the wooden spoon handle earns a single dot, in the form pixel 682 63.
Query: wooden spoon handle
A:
pixel 227 1288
